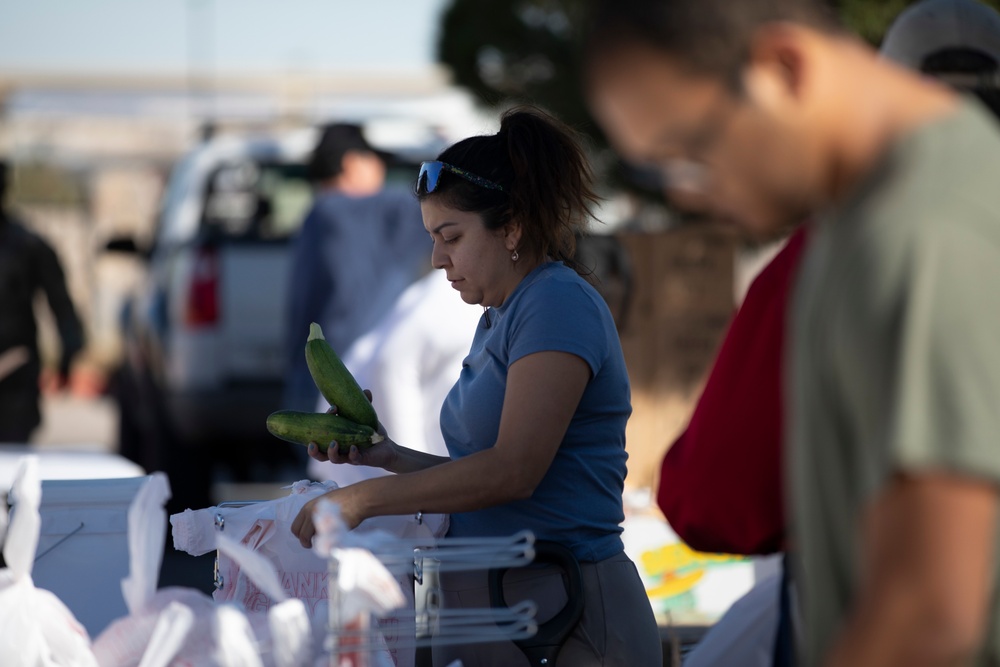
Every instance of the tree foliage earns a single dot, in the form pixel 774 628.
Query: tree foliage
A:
pixel 516 51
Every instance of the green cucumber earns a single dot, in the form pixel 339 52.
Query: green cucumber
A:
pixel 335 382
pixel 321 428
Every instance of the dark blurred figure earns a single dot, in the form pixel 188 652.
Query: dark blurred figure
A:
pixel 28 265
pixel 954 41
pixel 360 246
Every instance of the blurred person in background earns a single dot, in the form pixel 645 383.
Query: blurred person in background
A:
pixel 535 425
pixel 954 41
pixel 29 266
pixel 895 374
pixel 359 247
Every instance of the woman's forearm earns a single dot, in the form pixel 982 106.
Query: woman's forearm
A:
pixel 471 483
pixel 406 460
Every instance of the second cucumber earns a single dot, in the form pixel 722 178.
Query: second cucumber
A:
pixel 321 428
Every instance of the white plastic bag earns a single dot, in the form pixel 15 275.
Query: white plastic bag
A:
pixel 364 588
pixel 286 639
pixel 170 626
pixel 190 630
pixel 265 528
pixel 147 535
pixel 36 628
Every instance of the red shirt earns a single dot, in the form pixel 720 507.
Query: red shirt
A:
pixel 721 483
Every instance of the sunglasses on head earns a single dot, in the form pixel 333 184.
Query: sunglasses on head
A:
pixel 430 174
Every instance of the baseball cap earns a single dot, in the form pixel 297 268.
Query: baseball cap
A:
pixel 933 26
pixel 336 140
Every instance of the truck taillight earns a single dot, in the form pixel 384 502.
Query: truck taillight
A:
pixel 203 297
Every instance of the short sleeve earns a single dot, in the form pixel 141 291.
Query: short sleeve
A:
pixel 559 316
pixel 945 411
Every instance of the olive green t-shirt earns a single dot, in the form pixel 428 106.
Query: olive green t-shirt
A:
pixel 895 351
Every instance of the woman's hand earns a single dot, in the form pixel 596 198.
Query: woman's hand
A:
pixel 380 455
pixel 346 497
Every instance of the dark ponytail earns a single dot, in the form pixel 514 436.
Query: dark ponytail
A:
pixel 547 181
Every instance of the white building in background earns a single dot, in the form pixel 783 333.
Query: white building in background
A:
pixel 74 118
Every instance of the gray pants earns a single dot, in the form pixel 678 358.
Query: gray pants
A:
pixel 617 627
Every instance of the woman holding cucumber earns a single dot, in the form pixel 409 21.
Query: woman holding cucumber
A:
pixel 535 425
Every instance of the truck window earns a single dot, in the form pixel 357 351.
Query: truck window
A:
pixel 249 200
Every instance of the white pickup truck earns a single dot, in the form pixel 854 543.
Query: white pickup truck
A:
pixel 204 335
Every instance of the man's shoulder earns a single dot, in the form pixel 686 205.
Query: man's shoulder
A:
pixel 952 180
pixel 943 186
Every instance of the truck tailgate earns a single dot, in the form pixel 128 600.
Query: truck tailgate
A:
pixel 253 285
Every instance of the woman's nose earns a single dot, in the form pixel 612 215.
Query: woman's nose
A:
pixel 439 258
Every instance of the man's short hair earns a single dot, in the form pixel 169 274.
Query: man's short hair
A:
pixel 709 36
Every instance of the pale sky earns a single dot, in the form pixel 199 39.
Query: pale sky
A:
pixel 223 35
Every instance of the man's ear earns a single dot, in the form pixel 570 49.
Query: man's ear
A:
pixel 778 65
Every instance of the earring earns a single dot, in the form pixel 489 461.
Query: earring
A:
pixel 514 256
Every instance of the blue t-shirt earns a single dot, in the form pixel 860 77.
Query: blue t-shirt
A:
pixel 579 501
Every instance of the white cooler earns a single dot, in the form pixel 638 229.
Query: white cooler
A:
pixel 76 463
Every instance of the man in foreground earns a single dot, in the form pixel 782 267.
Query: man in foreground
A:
pixel 894 370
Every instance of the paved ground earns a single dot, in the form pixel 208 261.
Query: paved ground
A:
pixel 70 421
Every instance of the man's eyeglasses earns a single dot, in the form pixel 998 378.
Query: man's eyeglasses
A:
pixel 685 176
pixel 430 174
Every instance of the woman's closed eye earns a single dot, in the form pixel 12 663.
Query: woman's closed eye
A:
pixel 451 241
